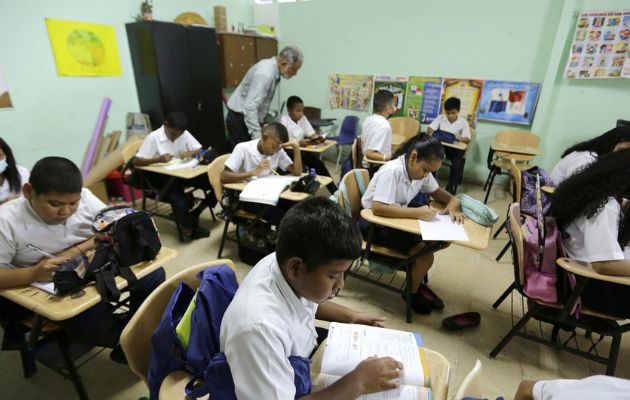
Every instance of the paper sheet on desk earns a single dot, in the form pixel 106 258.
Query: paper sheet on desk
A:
pixel 182 164
pixel 45 286
pixel 442 228
pixel 266 190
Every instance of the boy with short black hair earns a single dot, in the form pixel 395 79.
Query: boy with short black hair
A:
pixel 271 317
pixel 55 215
pixel 451 122
pixel 376 136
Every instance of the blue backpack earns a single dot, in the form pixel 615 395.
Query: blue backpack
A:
pixel 198 352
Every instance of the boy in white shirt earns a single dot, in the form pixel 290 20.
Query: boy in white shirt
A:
pixel 376 136
pixel 301 130
pixel 161 146
pixel 451 122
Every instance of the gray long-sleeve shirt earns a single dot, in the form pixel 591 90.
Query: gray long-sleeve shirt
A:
pixel 253 95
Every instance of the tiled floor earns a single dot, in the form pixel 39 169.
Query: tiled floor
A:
pixel 466 279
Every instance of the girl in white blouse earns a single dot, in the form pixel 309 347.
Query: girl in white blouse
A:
pixel 12 176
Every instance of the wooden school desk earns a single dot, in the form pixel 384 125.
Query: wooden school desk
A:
pixel 287 194
pixel 439 370
pixel 456 145
pixel 513 149
pixel 318 149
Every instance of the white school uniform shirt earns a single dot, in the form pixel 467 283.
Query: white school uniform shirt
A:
pixel 265 324
pixel 595 239
pixel 459 128
pixel 20 226
pixel 593 387
pixel 391 185
pixel 6 192
pixel 570 164
pixel 298 130
pixel 158 144
pixel 376 135
pixel 245 158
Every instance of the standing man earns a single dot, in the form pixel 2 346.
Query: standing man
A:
pixel 249 103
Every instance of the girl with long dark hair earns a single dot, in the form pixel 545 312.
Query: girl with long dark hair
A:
pixel 12 176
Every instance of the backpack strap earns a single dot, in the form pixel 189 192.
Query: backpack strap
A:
pixel 106 285
pixel 344 190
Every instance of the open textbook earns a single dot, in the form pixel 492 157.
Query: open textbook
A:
pixel 266 190
pixel 348 344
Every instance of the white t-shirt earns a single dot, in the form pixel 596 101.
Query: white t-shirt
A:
pixel 21 226
pixel 263 326
pixel 157 144
pixel 459 128
pixel 245 158
pixel 376 135
pixel 595 238
pixel 570 164
pixel 391 185
pixel 5 192
pixel 593 387
pixel 298 130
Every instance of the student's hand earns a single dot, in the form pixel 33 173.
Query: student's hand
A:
pixel 456 216
pixel 378 374
pixel 304 142
pixel 42 271
pixel 426 213
pixel 262 167
pixel 291 144
pixel 368 319
pixel 186 155
pixel 164 158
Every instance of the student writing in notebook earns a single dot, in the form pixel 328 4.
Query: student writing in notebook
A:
pixel 399 189
pixel 272 316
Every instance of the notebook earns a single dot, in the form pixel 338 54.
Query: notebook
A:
pixel 45 286
pixel 266 190
pixel 443 228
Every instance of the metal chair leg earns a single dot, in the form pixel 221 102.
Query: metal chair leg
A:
pixel 612 356
pixel 72 369
pixel 339 148
pixel 492 174
pixel 408 291
pixel 520 324
pixel 503 251
pixel 503 296
pixel 224 236
pixel 502 227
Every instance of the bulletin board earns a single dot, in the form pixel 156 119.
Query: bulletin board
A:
pixel 395 84
pixel 422 101
pixel 350 91
pixel 468 91
pixel 508 101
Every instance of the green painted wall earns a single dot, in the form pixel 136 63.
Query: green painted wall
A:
pixel 56 115
pixel 490 39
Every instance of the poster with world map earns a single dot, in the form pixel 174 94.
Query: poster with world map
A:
pixel 84 49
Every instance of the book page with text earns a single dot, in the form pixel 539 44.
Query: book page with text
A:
pixel 404 392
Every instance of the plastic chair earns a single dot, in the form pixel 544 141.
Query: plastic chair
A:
pixel 471 385
pixel 403 128
pixel 312 112
pixel 136 337
pixel 347 134
pixel 499 162
pixel 558 314
pixel 357 154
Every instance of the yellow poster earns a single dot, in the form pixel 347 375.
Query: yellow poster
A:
pixel 84 49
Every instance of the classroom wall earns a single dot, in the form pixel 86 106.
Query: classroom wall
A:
pixel 504 39
pixel 56 115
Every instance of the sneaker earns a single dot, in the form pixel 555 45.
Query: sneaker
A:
pixel 118 355
pixel 430 296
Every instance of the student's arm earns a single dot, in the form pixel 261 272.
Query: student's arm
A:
pixel 466 135
pixel 78 248
pixel 430 130
pixel 377 155
pixel 525 391
pixel 42 271
pixel 296 167
pixel 453 208
pixel 229 176
pixel 337 313
pixel 141 162
pixel 425 213
pixel 612 267
pixel 433 125
pixel 189 154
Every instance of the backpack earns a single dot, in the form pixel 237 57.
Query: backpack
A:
pixel 529 194
pixel 187 338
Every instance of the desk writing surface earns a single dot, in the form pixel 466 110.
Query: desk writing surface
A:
pixel 372 161
pixel 548 189
pixel 184 173
pixel 59 308
pixel 318 148
pixel 479 235
pixel 456 145
pixel 287 194
pixel 526 150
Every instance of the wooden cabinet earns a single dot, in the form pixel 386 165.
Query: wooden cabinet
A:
pixel 239 52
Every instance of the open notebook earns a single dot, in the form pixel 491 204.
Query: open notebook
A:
pixel 349 344
pixel 266 190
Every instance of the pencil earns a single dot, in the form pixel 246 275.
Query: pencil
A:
pixel 274 171
pixel 40 251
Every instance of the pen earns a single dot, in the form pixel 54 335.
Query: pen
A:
pixel 40 251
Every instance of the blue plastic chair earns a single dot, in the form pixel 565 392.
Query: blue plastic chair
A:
pixel 347 134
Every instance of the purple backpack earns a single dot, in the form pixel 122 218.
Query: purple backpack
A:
pixel 529 194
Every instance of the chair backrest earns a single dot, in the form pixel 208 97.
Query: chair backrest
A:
pixel 214 175
pixel 518 138
pixel 515 173
pixel 136 337
pixel 516 238
pixel 357 153
pixel 349 128
pixel 312 112
pixel 130 149
pixel 404 126
pixel 471 385
pixel 349 180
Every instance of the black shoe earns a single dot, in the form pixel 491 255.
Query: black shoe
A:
pixel 198 233
pixel 117 355
pixel 430 296
pixel 419 304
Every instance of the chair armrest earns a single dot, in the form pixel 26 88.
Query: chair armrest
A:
pixel 586 270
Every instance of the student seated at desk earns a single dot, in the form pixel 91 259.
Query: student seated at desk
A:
pixel 173 140
pixel 592 387
pixel 272 315
pixel 55 216
pixel 582 154
pixel 376 136
pixel 451 122
pixel 588 210
pixel 263 157
pixel 12 176
pixel 301 130
pixel 398 190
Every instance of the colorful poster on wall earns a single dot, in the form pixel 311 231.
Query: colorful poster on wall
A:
pixel 84 49
pixel 468 91
pixel 600 45
pixel 416 86
pixel 395 84
pixel 431 100
pixel 5 96
pixel 350 91
pixel 625 72
pixel 508 101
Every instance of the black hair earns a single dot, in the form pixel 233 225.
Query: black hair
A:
pixel 56 175
pixel 602 144
pixel 426 146
pixel 277 130
pixel 624 228
pixel 177 120
pixel 292 101
pixel 452 103
pixel 319 232
pixel 586 192
pixel 381 99
pixel 11 174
